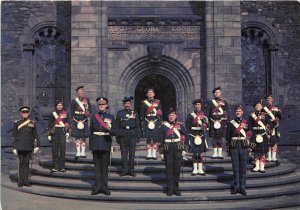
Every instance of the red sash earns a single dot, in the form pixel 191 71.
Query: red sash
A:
pixel 103 124
pixel 258 117
pixel 198 117
pixel 150 108
pixel 217 107
pixel 238 129
pixel 58 119
pixel 171 130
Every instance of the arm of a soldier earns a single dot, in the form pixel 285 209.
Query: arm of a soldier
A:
pixel 113 130
pixel 35 135
pixel 228 133
pixel 138 126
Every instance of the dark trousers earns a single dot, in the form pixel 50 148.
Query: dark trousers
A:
pixel 59 149
pixel 127 145
pixel 239 157
pixel 101 161
pixel 24 158
pixel 173 159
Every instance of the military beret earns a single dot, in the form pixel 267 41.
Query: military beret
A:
pixel 217 88
pixel 258 102
pixel 197 101
pixel 171 110
pixel 269 95
pixel 24 108
pixel 125 99
pixel 59 102
pixel 102 100
pixel 79 87
pixel 238 107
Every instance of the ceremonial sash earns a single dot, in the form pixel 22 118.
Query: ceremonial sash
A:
pixel 257 119
pixel 197 118
pixel 238 127
pixel 269 113
pixel 80 104
pixel 103 124
pixel 151 107
pixel 23 124
pixel 218 106
pixel 171 130
pixel 58 118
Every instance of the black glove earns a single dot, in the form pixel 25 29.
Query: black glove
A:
pixel 138 140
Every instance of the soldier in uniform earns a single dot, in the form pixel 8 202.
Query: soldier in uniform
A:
pixel 237 141
pixel 102 127
pixel 25 140
pixel 80 112
pixel 275 115
pixel 196 126
pixel 217 113
pixel 58 133
pixel 128 135
pixel 259 122
pixel 151 116
pixel 173 140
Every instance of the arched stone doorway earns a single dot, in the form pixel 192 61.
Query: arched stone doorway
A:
pixel 164 91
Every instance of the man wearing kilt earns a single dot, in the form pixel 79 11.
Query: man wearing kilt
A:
pixel 80 112
pixel 102 127
pixel 237 141
pixel 151 116
pixel 58 133
pixel 173 140
pixel 217 113
pixel 275 115
pixel 259 122
pixel 196 125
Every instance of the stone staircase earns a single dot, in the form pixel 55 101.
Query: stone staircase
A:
pixel 278 187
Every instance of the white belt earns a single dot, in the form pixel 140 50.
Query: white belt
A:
pixel 78 112
pixel 150 120
pixel 196 128
pixel 258 128
pixel 100 133
pixel 172 140
pixel 58 125
pixel 219 114
pixel 238 138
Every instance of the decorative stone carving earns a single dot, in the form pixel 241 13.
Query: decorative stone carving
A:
pixel 155 51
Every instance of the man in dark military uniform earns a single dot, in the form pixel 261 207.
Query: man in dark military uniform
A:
pixel 102 127
pixel 173 140
pixel 58 133
pixel 24 137
pixel 259 122
pixel 237 141
pixel 151 116
pixel 217 113
pixel 275 115
pixel 128 134
pixel 196 126
pixel 80 112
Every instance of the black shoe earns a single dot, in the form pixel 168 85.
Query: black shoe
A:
pixel 132 174
pixel 62 170
pixel 154 158
pixel 192 174
pixel 83 156
pixel 262 171
pixel 243 192
pixel 20 185
pixel 221 158
pixel 169 193
pixel 148 158
pixel 213 157
pixel 27 184
pixel 53 170
pixel 177 193
pixel 77 157
pixel 254 171
pixel 95 192
pixel 123 174
pixel 106 192
pixel 233 191
pixel 202 174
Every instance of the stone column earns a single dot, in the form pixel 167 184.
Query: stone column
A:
pixel 88 53
pixel 223 49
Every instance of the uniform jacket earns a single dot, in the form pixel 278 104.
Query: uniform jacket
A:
pixel 130 119
pixel 144 109
pixel 102 143
pixel 189 123
pixel 23 138
pixel 214 113
pixel 233 132
pixel 75 106
pixel 65 118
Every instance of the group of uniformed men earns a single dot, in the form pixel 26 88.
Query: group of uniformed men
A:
pixel 171 138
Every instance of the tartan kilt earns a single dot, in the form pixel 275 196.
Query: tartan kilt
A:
pixel 147 133
pixel 217 133
pixel 196 149
pixel 80 133
pixel 261 149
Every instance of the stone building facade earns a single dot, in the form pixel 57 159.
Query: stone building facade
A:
pixel 183 49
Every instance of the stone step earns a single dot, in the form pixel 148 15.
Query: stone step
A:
pixel 156 196
pixel 200 186
pixel 208 167
pixel 185 176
